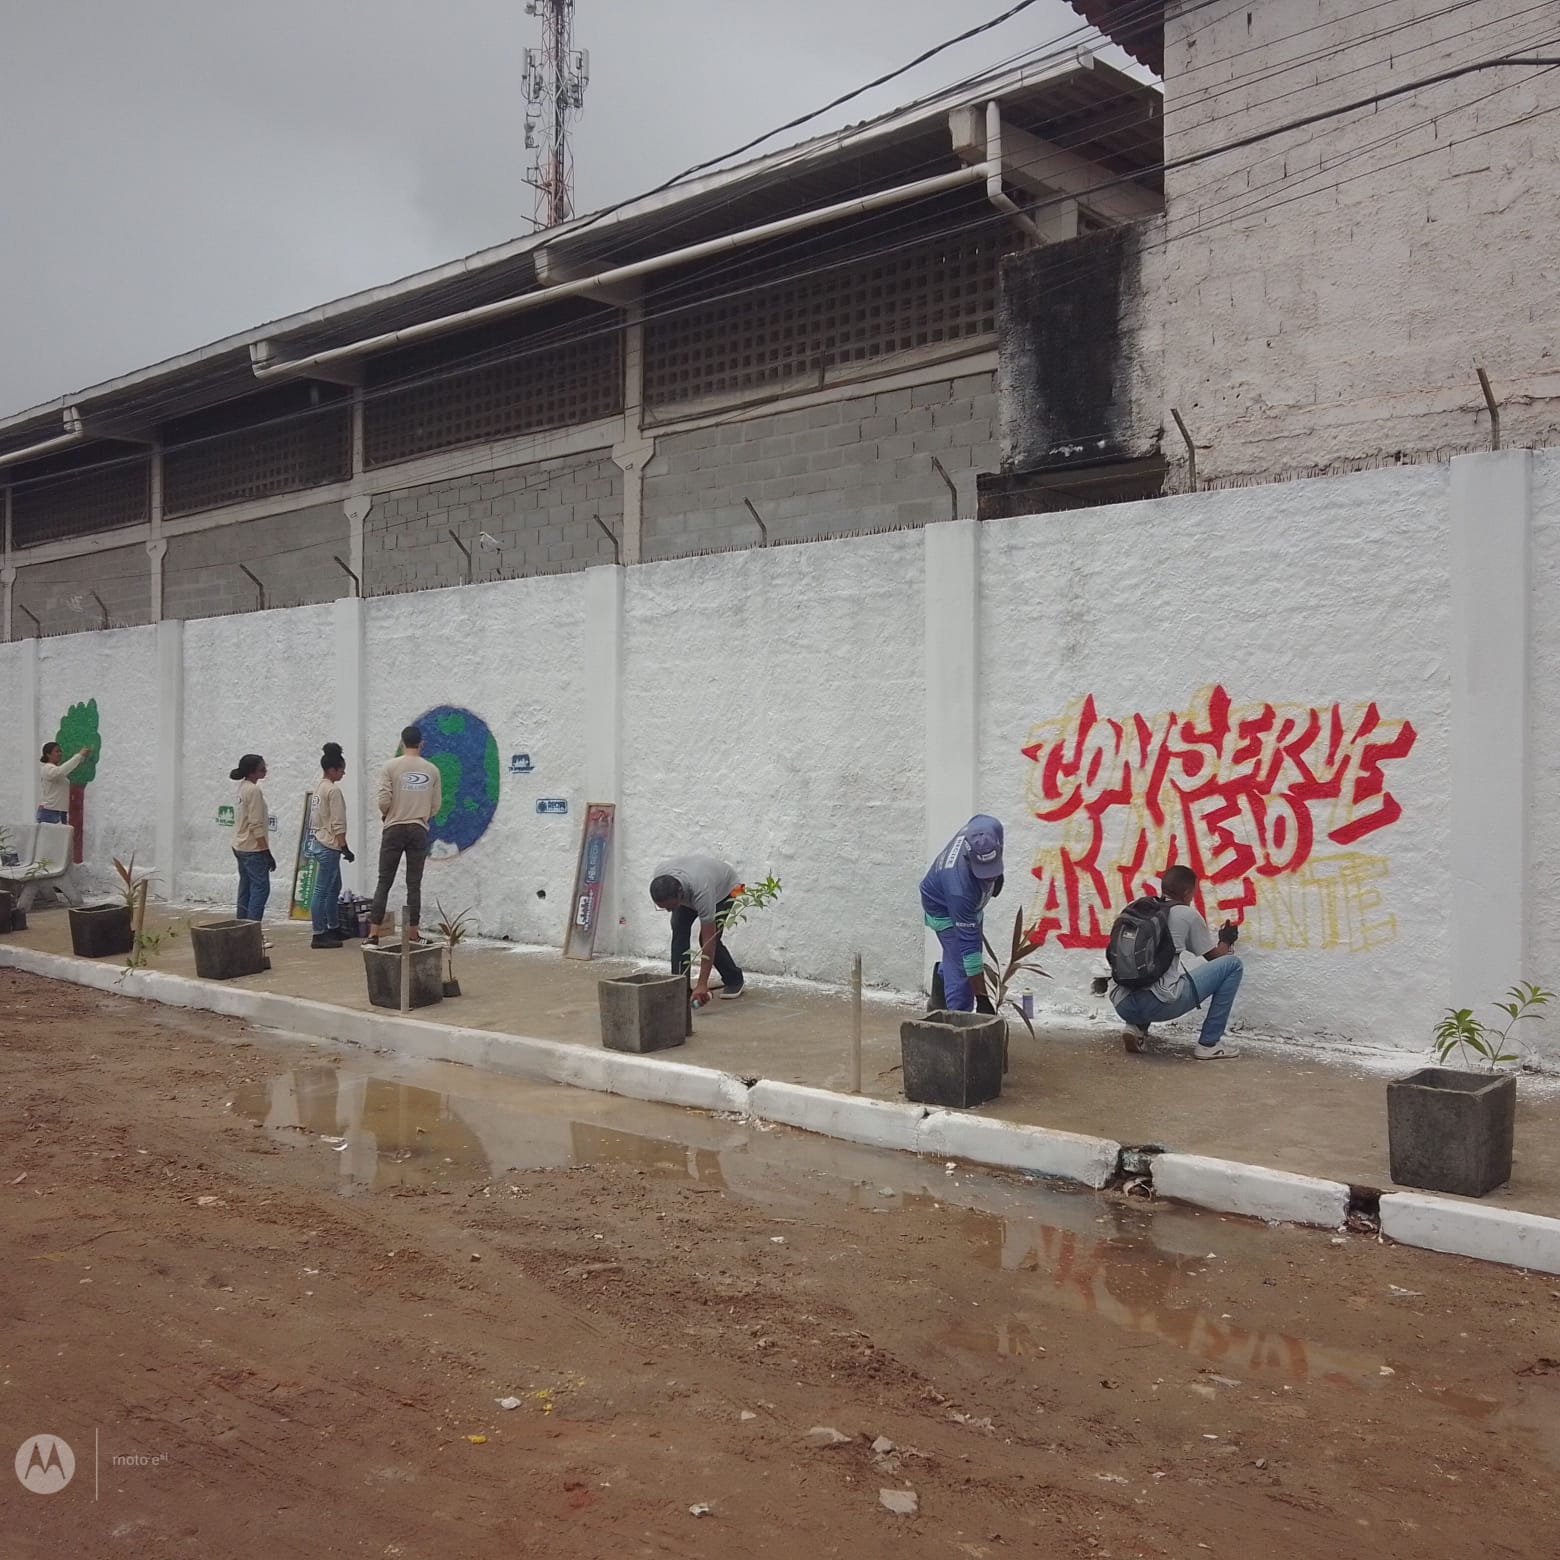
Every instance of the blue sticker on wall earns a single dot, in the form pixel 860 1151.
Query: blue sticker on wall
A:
pixel 554 805
pixel 460 746
pixel 520 763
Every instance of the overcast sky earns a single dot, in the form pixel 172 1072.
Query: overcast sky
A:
pixel 176 170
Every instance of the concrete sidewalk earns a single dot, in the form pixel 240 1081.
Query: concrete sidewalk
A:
pixel 1314 1111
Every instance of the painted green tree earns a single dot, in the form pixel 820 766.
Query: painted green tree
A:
pixel 79 729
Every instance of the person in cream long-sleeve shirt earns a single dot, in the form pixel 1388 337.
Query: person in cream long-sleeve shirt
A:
pixel 252 839
pixel 411 792
pixel 54 782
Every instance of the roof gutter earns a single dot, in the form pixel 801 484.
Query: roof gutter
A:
pixel 75 433
pixel 267 365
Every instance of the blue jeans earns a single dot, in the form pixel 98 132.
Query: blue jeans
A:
pixel 327 885
pixel 254 884
pixel 957 995
pixel 1218 979
pixel 52 815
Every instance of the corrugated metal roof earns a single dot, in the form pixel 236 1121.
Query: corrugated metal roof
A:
pixel 1137 25
pixel 1100 113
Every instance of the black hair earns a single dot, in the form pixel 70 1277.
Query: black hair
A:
pixel 666 890
pixel 331 757
pixel 247 765
pixel 1177 880
pixel 49 747
pixel 411 736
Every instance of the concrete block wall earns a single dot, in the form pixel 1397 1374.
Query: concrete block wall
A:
pixel 292 553
pixel 58 593
pixel 1327 294
pixel 542 513
pixel 838 469
pixel 1357 764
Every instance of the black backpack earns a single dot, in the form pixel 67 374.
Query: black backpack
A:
pixel 1141 948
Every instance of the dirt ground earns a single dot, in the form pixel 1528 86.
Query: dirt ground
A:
pixel 280 1369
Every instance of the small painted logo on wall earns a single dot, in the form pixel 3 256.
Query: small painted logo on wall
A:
pixel 45 1464
pixel 520 764
pixel 225 816
pixel 460 746
pixel 552 806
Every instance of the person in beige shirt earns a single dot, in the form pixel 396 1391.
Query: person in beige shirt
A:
pixel 411 792
pixel 54 782
pixel 327 846
pixel 252 839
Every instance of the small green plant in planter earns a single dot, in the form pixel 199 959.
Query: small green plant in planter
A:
pixel 1459 1031
pixel 1025 941
pixel 454 929
pixel 1452 1128
pixel 747 898
pixel 148 946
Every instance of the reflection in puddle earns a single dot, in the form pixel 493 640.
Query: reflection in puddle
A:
pixel 378 1133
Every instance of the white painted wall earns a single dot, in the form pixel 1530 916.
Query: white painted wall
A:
pixel 257 683
pixel 1300 595
pixel 511 653
pixel 773 705
pixel 772 712
pixel 118 669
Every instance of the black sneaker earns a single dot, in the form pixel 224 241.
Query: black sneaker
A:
pixel 729 993
pixel 326 940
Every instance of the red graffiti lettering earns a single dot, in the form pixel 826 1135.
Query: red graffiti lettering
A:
pixel 1238 793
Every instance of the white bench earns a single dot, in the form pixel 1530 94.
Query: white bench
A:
pixel 43 864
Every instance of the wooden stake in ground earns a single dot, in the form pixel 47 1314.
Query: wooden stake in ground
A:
pixel 406 963
pixel 855 1025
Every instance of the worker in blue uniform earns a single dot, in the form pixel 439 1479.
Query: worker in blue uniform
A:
pixel 958 886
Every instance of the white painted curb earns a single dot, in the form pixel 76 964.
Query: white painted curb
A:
pixel 878 1123
pixel 1525 1240
pixel 1250 1190
pixel 1015 1145
pixel 517 1056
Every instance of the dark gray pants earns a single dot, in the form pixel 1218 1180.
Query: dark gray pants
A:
pixel 411 841
pixel 684 922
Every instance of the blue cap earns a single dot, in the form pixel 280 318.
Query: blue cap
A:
pixel 983 844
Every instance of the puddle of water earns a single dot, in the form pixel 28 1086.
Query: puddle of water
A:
pixel 1115 1262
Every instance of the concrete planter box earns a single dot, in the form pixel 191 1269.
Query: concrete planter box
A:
pixel 7 910
pixel 953 1059
pixel 382 965
pixel 101 931
pixel 1452 1131
pixel 644 1012
pixel 224 950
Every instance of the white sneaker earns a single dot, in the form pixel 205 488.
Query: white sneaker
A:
pixel 1134 1039
pixel 264 943
pixel 1216 1053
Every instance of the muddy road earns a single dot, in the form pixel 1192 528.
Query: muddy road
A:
pixel 271 1296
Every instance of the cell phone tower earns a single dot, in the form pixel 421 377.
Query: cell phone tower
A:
pixel 556 76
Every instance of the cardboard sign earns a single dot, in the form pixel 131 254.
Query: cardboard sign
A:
pixel 590 881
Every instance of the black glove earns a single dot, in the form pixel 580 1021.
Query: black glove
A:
pixel 983 1005
pixel 996 886
pixel 346 852
pixel 1228 934
pixel 270 862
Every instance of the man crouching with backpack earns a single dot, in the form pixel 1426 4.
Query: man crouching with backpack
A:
pixel 1150 983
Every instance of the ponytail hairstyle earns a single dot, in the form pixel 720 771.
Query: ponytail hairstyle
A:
pixel 331 757
pixel 247 766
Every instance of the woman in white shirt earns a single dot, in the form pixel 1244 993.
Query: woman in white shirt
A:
pixel 252 839
pixel 327 845
pixel 54 782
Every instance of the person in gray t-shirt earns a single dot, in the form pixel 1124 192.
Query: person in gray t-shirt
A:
pixel 698 888
pixel 1213 976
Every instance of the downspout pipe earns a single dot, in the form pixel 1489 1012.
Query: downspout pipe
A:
pixel 75 433
pixel 268 366
pixel 998 196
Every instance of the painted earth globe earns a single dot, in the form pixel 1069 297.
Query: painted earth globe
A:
pixel 462 748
